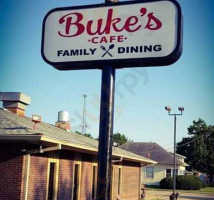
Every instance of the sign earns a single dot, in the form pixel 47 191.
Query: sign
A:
pixel 126 34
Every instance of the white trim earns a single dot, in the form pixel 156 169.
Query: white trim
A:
pixel 120 180
pixel 26 176
pixel 77 161
pixel 53 158
pixel 96 175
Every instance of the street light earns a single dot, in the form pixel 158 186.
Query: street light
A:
pixel 174 196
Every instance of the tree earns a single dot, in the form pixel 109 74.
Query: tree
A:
pixel 120 138
pixel 85 134
pixel 199 148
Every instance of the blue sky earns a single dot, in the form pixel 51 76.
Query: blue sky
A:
pixel 141 93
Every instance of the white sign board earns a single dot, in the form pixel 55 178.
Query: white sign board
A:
pixel 122 34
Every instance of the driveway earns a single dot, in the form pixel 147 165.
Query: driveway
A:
pixel 164 195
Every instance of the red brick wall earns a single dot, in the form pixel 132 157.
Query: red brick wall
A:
pixel 130 181
pixel 86 178
pixel 65 175
pixel 38 177
pixel 66 165
pixel 11 176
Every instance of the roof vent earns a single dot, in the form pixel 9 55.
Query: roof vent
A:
pixel 63 120
pixel 36 119
pixel 15 102
pixel 63 116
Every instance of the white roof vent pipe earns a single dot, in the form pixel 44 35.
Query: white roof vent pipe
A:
pixel 63 121
pixel 63 116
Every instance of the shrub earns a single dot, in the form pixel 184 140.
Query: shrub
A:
pixel 166 183
pixel 183 182
pixel 187 182
pixel 202 182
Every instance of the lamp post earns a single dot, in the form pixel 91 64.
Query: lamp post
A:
pixel 174 196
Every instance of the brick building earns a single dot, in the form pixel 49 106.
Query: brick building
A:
pixel 47 162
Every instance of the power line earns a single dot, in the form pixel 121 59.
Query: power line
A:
pixel 195 139
pixel 206 134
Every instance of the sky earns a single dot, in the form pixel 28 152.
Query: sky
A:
pixel 141 93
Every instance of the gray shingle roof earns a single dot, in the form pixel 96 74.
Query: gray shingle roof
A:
pixel 155 151
pixel 14 125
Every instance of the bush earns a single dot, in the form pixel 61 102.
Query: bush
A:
pixel 166 183
pixel 202 182
pixel 183 182
pixel 187 182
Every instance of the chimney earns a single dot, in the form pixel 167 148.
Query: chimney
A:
pixel 63 120
pixel 148 155
pixel 15 102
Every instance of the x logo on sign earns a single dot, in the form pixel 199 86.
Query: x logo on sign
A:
pixel 107 50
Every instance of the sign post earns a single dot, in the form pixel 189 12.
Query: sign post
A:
pixel 107 36
pixel 105 134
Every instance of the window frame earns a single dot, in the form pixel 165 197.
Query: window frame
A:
pixel 120 180
pixel 94 185
pixel 168 173
pixel 171 172
pixel 53 158
pixel 153 172
pixel 77 161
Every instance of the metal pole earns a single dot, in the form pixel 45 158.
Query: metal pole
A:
pixel 105 134
pixel 106 131
pixel 174 196
pixel 174 173
pixel 83 117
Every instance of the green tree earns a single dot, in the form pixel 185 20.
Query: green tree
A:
pixel 85 134
pixel 120 138
pixel 199 148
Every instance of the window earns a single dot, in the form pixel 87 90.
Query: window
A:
pixel 76 182
pixel 51 181
pixel 120 180
pixel 52 176
pixel 169 173
pixel 149 172
pixel 94 182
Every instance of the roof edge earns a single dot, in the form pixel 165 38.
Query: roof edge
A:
pixel 26 138
pixel 78 146
pixel 38 138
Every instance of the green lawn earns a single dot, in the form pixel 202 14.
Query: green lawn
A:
pixel 207 189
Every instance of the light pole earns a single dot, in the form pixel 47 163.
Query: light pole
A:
pixel 174 196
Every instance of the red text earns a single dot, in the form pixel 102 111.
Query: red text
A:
pixel 74 26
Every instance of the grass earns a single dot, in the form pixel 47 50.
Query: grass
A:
pixel 203 190
pixel 207 189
